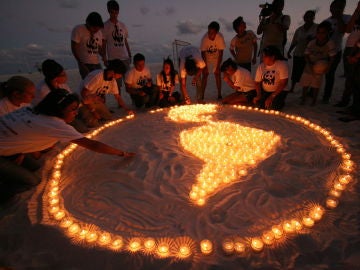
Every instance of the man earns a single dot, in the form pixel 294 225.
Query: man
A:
pixel 212 48
pixel 115 36
pixel 86 44
pixel 94 87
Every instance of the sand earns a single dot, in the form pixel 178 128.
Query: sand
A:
pixel 149 195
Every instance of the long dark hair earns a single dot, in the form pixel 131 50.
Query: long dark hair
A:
pixel 14 84
pixel 56 102
pixel 172 71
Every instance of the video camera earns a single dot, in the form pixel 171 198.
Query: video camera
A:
pixel 266 11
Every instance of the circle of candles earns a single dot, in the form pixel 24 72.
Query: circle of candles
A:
pixel 135 244
pixel 149 244
pixel 308 222
pixel 228 246
pixel 332 202
pixel 257 244
pixel 268 237
pixel 206 246
pixel 184 251
pixel 277 230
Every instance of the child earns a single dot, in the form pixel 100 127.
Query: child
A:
pixel 243 47
pixel 212 48
pixel 139 84
pixel 166 81
pixel 240 80
pixel 320 49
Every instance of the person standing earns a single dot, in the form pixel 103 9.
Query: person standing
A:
pixel 274 28
pixel 212 49
pixel 86 44
pixel 243 47
pixel 338 21
pixel 115 35
pixel 301 38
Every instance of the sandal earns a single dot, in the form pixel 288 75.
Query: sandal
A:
pixel 187 100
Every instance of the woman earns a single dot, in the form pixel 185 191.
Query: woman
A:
pixel 54 78
pixel 16 93
pixel 33 130
pixel 166 81
pixel 271 79
pixel 239 79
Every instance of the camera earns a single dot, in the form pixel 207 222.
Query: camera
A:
pixel 266 11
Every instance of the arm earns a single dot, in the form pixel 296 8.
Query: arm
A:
pixel 219 60
pixel 233 53
pixel 255 51
pixel 128 48
pixel 258 92
pixel 121 103
pixel 100 147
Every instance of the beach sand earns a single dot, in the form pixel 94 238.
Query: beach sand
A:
pixel 148 195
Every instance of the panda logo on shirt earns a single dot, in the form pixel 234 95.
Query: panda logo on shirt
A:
pixel 269 77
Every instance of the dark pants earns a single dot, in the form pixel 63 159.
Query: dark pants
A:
pixel 278 102
pixel 297 68
pixel 330 77
pixel 150 99
pixel 164 102
pixel 349 77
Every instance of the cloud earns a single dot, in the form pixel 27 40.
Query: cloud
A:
pixel 169 11
pixel 68 3
pixel 226 25
pixel 189 27
pixel 144 10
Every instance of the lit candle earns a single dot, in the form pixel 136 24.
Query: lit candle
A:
pixel 163 250
pixel 345 179
pixel 134 244
pixel 335 193
pixel 59 215
pixel 339 186
pixel 66 222
pixel 149 244
pixel 332 202
pixel 316 213
pixel 278 231
pixel 239 247
pixel 184 251
pixel 268 237
pixel 297 224
pixel 117 243
pixel 228 246
pixel 91 237
pixel 104 239
pixel 74 229
pixel 308 222
pixel 257 244
pixel 288 227
pixel 206 246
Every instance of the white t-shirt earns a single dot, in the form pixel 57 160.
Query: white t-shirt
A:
pixel 89 44
pixel 138 79
pixel 6 106
pixel 192 52
pixel 115 36
pixel 270 76
pixel 242 79
pixel 96 84
pixel 23 131
pixel 324 52
pixel 336 36
pixel 212 47
pixel 42 89
pixel 165 86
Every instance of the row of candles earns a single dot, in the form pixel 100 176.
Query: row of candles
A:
pixel 184 249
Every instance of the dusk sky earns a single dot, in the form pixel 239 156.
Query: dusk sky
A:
pixel 33 30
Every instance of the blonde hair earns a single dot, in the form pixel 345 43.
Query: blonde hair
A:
pixel 14 84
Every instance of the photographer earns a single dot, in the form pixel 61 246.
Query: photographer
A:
pixel 273 25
